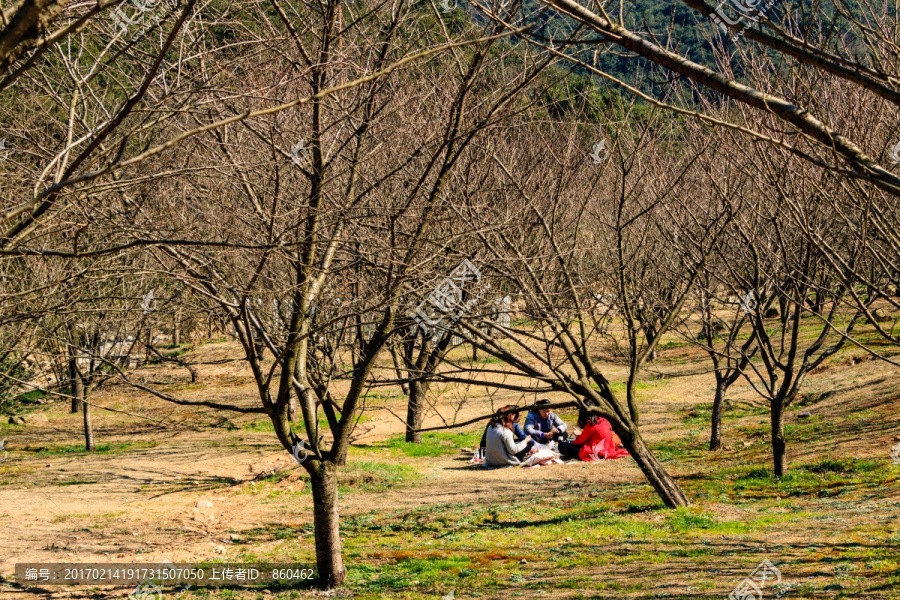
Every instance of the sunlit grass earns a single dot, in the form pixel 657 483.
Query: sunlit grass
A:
pixel 433 444
pixel 107 448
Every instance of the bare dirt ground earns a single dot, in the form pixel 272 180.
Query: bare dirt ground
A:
pixel 178 483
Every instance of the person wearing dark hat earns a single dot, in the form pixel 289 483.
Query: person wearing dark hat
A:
pixel 544 425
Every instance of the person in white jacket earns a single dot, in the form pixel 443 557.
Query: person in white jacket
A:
pixel 501 449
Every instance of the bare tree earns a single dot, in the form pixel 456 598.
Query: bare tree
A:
pixel 311 222
pixel 818 141
pixel 553 251
pixel 780 266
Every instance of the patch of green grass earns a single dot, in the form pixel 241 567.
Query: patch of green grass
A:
pixel 824 478
pixel 618 387
pixel 112 448
pixel 29 397
pixel 810 430
pixel 673 344
pixel 701 414
pixel 845 465
pixel 356 475
pixel 373 476
pixel 178 352
pixel 632 508
pixel 22 403
pixel 264 424
pixel 389 395
pixel 279 476
pixel 756 473
pixel 65 517
pixel 682 520
pixel 483 359
pixel 680 449
pixel 433 444
pixel 76 482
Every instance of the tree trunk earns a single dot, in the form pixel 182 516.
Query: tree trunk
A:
pixel 715 438
pixel 649 334
pixel 293 408
pixel 778 442
pixel 395 357
pixel 176 328
pixel 259 344
pixel 77 387
pixel 326 524
pixel 88 428
pixel 666 487
pixel 415 410
pixel 59 369
pixel 630 396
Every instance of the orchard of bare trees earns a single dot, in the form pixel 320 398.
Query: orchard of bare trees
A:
pixel 457 207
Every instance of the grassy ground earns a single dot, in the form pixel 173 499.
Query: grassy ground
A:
pixel 418 521
pixel 827 525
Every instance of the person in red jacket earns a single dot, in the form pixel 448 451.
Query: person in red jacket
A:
pixel 597 440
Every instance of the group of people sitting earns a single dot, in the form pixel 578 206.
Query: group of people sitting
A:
pixel 546 439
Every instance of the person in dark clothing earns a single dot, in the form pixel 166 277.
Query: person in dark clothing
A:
pixel 544 425
pixel 570 450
